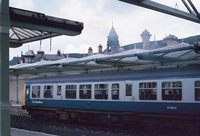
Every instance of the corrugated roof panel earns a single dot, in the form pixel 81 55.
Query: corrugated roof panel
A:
pixel 174 54
pixel 129 59
pixel 190 55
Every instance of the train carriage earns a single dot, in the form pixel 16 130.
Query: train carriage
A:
pixel 121 96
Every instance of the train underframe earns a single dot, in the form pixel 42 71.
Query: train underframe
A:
pixel 129 119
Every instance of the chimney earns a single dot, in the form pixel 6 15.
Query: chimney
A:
pixel 145 39
pixel 58 53
pixel 100 48
pixel 90 50
pixel 40 52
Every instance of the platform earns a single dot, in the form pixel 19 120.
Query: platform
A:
pixel 21 132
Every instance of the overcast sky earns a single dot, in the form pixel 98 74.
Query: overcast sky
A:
pixel 128 20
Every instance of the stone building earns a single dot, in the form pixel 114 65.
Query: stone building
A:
pixel 112 43
pixel 30 57
pixel 171 40
pixel 145 39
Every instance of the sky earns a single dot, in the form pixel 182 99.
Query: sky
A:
pixel 98 17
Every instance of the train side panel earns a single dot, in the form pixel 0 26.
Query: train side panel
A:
pixel 186 105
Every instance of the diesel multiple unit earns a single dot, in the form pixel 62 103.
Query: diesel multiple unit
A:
pixel 122 96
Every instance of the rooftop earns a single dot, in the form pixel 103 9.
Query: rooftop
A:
pixel 179 54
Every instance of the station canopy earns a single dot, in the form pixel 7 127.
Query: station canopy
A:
pixel 28 26
pixel 175 55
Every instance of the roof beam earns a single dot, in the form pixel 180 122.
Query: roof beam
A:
pixel 164 9
pixel 194 8
pixel 17 43
pixel 188 8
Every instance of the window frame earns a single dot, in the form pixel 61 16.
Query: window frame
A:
pixel 38 94
pixel 72 90
pixel 115 91
pixel 129 92
pixel 172 91
pixel 148 91
pixel 197 88
pixel 85 91
pixel 59 90
pixel 101 91
pixel 46 94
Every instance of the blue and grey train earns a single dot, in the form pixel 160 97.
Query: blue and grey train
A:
pixel 120 96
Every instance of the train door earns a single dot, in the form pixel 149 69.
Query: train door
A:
pixel 26 95
pixel 128 90
pixel 59 92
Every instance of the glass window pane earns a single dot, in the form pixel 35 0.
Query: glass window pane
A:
pixel 36 92
pixel 148 91
pixel 172 90
pixel 48 91
pixel 128 89
pixel 70 92
pixel 85 91
pixel 101 91
pixel 197 94
pixel 197 90
pixel 59 90
pixel 197 84
pixel 115 91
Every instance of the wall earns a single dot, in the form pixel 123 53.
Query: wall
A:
pixel 13 88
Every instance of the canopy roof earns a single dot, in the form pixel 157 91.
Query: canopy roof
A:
pixel 28 26
pixel 179 54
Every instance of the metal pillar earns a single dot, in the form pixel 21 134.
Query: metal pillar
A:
pixel 4 69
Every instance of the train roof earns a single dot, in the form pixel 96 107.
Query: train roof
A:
pixel 189 71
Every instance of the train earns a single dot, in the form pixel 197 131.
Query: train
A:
pixel 157 94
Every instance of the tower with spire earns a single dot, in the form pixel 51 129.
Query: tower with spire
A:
pixel 112 42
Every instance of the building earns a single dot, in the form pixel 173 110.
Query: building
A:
pixel 146 44
pixel 113 46
pixel 169 40
pixel 31 57
pixel 145 39
pixel 112 43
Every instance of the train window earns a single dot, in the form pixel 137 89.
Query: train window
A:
pixel 48 91
pixel 70 91
pixel 115 91
pixel 128 89
pixel 85 91
pixel 58 90
pixel 197 90
pixel 101 91
pixel 35 91
pixel 172 90
pixel 148 91
pixel 27 90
